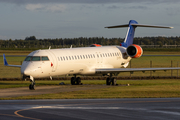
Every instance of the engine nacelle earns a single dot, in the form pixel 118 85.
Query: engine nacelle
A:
pixel 95 45
pixel 134 51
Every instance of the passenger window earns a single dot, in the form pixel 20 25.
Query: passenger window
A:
pixel 91 56
pixel 72 57
pixel 94 55
pixel 103 55
pixel 81 56
pixel 61 59
pixel 35 58
pixel 84 57
pixel 66 57
pixel 69 58
pixel 28 58
pixel 97 55
pixel 75 57
pixel 45 58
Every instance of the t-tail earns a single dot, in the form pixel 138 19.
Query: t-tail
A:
pixel 131 30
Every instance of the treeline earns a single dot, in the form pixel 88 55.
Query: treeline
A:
pixel 33 43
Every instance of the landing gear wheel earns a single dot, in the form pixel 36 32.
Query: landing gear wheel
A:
pixel 108 81
pixel 73 80
pixel 78 81
pixel 32 87
pixel 113 81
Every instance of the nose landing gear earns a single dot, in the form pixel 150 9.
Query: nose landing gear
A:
pixel 32 85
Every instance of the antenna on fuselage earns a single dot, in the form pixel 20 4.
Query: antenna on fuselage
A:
pixel 71 47
pixel 49 47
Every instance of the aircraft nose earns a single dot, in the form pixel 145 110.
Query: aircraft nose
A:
pixel 26 72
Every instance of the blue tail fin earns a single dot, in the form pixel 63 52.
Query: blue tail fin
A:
pixel 130 34
pixel 131 30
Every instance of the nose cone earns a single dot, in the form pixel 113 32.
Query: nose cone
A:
pixel 25 69
pixel 26 72
pixel 31 69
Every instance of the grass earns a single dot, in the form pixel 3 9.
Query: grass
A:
pixel 157 61
pixel 11 72
pixel 137 89
pixel 15 52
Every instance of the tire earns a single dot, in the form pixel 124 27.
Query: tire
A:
pixel 113 81
pixel 73 81
pixel 32 87
pixel 78 81
pixel 108 81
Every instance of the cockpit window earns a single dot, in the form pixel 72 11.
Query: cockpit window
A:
pixel 45 58
pixel 28 58
pixel 35 58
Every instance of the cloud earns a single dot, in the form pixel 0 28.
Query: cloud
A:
pixel 86 1
pixel 131 7
pixel 173 11
pixel 114 7
pixel 46 7
pixel 138 7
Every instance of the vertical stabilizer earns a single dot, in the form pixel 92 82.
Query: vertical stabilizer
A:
pixel 130 34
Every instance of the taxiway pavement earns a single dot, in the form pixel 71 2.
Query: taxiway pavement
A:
pixel 91 109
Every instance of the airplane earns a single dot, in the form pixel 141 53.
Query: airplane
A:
pixel 92 60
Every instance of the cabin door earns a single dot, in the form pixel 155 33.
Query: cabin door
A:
pixel 53 59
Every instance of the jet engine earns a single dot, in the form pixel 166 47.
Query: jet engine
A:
pixel 134 51
pixel 95 45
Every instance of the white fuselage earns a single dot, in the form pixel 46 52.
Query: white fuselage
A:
pixel 74 61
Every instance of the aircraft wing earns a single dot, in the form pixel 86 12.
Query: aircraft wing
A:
pixel 116 70
pixel 6 64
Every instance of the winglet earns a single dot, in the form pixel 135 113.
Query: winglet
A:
pixel 5 61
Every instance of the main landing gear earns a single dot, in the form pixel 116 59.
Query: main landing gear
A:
pixel 76 80
pixel 32 85
pixel 110 80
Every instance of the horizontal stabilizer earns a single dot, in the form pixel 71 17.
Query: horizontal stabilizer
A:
pixel 139 25
pixel 153 26
pixel 118 26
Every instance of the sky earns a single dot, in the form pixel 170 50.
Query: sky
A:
pixel 86 18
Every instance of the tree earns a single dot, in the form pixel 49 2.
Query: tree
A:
pixel 30 38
